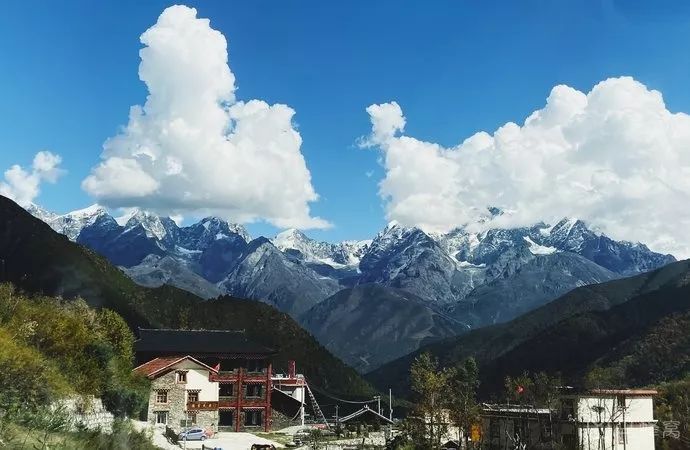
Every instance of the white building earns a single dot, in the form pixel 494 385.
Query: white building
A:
pixel 609 419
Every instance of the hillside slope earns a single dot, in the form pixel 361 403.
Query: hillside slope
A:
pixel 371 324
pixel 38 260
pixel 567 335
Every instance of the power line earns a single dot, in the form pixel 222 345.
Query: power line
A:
pixel 326 394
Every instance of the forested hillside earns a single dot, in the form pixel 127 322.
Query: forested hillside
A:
pixel 38 260
pixel 605 326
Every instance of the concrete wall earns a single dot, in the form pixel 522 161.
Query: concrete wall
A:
pixel 606 409
pixel 639 437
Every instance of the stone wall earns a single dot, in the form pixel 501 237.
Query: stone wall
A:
pixel 86 412
pixel 280 420
pixel 176 405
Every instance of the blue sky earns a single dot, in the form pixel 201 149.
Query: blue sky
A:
pixel 69 76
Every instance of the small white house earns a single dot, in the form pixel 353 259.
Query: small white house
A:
pixel 609 419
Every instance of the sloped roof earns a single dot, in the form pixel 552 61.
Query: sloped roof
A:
pixel 366 412
pixel 191 342
pixel 157 366
pixel 285 403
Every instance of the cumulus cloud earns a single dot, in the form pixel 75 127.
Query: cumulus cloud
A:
pixel 615 157
pixel 23 185
pixel 192 148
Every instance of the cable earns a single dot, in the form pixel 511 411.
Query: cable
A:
pixel 322 392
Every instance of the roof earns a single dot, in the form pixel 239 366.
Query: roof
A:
pixel 193 342
pixel 285 403
pixel 367 412
pixel 159 365
pixel 632 392
pixel 513 409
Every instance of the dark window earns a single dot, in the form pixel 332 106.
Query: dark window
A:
pixel 162 396
pixel 228 365
pixel 226 390
pixel 225 418
pixel 192 396
pixel 620 403
pixel 161 417
pixel 255 365
pixel 568 409
pixel 254 390
pixel 253 418
pixel 181 377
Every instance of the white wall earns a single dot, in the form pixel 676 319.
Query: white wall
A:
pixel 197 379
pixel 637 417
pixel 637 409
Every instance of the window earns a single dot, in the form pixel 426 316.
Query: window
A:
pixel 620 402
pixel 254 390
pixel 161 417
pixel 191 418
pixel 226 418
pixel 253 418
pixel 568 409
pixel 181 377
pixel 161 396
pixel 192 396
pixel 255 365
pixel 622 435
pixel 226 390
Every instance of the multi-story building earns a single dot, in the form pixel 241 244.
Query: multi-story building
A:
pixel 609 419
pixel 603 419
pixel 214 379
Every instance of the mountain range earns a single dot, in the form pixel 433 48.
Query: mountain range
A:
pixel 37 260
pixel 632 331
pixel 440 284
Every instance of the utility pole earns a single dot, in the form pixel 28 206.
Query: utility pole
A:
pixel 378 400
pixel 390 404
pixel 336 414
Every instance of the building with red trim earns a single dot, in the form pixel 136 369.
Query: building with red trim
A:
pixel 218 380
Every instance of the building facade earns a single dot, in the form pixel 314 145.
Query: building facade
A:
pixel 609 419
pixel 218 380
pixel 613 419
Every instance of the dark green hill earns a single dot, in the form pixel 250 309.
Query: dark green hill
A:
pixel 569 335
pixel 38 260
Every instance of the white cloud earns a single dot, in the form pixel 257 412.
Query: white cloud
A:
pixel 23 186
pixel 615 157
pixel 192 148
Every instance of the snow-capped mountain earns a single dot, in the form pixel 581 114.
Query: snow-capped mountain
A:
pixel 471 278
pixel 69 224
pixel 342 254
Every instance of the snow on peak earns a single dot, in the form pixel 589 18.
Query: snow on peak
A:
pixel 69 224
pixel 537 249
pixel 291 238
pixel 152 224
pixel 219 226
pixel 88 212
pixel 342 254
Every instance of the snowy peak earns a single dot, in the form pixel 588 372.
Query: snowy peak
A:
pixel 72 223
pixel 292 239
pixel 537 249
pixel 154 226
pixel 338 255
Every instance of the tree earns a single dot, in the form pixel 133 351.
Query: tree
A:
pixel 464 409
pixel 430 385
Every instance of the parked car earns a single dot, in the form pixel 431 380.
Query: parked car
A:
pixel 193 434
